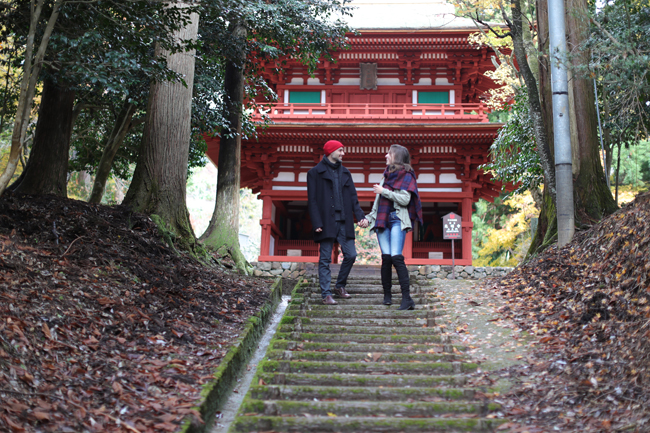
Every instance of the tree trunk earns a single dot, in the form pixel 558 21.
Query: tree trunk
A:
pixel 47 168
pixel 31 72
pixel 593 198
pixel 587 186
pixel 539 127
pixel 618 168
pixel 223 231
pixel 159 181
pixel 542 120
pixel 607 141
pixel 115 139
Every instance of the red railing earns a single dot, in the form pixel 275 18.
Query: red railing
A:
pixel 378 112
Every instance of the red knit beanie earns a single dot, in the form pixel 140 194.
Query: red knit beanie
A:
pixel 331 146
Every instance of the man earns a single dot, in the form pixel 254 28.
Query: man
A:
pixel 333 205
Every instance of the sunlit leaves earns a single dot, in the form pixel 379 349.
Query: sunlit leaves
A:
pixel 507 245
pixel 512 155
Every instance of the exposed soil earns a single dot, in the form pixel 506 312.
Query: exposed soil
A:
pixel 103 327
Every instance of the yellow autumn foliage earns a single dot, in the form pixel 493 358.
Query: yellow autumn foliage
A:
pixel 507 246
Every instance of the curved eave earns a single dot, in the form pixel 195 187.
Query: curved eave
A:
pixel 429 125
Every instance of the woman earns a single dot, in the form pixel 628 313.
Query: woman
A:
pixel 396 208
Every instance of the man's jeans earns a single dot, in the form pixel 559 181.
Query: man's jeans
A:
pixel 349 256
pixel 391 239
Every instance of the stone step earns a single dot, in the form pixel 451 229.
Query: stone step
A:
pixel 403 318
pixel 388 380
pixel 350 393
pixel 420 409
pixel 360 366
pixel 361 334
pixel 345 305
pixel 375 313
pixel 344 356
pixel 444 368
pixel 328 424
pixel 374 299
pixel 356 347
pixel 375 290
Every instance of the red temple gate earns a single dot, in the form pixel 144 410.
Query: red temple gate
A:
pixel 422 90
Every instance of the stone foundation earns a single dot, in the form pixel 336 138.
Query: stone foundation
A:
pixel 284 269
pixel 295 270
pixel 462 272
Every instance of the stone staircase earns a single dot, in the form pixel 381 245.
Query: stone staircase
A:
pixel 361 366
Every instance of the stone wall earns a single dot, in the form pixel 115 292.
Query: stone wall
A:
pixel 285 269
pixel 462 272
pixel 296 270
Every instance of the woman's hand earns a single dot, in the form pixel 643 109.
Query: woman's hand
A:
pixel 378 189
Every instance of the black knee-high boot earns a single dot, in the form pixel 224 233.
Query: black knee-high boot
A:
pixel 403 277
pixel 386 277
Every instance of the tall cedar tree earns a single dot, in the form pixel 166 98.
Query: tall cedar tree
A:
pixel 158 185
pixel 46 171
pixel 593 199
pixel 223 229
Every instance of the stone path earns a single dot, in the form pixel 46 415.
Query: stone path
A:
pixel 361 366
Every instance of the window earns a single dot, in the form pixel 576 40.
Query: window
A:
pixel 433 97
pixel 304 97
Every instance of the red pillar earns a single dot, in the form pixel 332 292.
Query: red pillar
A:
pixel 467 225
pixel 407 252
pixel 265 222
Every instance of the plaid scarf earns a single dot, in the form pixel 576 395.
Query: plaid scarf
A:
pixel 399 180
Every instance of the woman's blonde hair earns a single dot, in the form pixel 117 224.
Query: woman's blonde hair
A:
pixel 401 158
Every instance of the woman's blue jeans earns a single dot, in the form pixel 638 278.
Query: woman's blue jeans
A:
pixel 391 239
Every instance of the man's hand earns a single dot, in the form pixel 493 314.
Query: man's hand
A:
pixel 318 230
pixel 363 223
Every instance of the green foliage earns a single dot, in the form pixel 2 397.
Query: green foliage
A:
pixel 90 132
pixel 635 165
pixel 513 156
pixel 80 186
pixel 277 31
pixel 106 52
pixel 10 76
pixel 620 46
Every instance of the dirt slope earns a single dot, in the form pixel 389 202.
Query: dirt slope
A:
pixel 588 304
pixel 102 326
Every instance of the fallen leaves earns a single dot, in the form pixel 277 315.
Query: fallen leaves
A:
pixel 109 330
pixel 588 304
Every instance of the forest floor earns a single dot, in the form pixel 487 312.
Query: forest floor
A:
pixel 103 327
pixel 587 304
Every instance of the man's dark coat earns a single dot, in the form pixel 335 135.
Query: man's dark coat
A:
pixel 320 202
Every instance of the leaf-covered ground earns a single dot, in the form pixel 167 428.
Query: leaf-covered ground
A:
pixel 102 326
pixel 588 304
